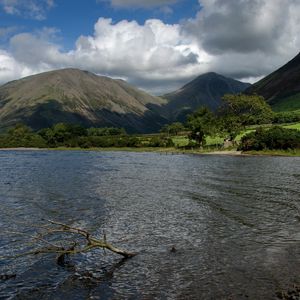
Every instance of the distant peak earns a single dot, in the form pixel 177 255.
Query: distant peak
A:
pixel 210 75
pixel 69 70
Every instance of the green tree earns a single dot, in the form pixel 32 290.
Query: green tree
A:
pixel 21 136
pixel 105 131
pixel 63 134
pixel 272 138
pixel 173 129
pixel 238 111
pixel 201 123
pixel 19 131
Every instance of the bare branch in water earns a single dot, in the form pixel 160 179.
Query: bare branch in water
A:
pixel 53 228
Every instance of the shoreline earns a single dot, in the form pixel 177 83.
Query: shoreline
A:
pixel 170 151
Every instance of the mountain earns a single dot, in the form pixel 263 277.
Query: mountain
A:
pixel 75 96
pixel 206 90
pixel 281 88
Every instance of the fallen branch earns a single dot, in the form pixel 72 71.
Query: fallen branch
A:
pixel 85 244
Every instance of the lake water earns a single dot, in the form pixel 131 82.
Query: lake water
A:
pixel 234 222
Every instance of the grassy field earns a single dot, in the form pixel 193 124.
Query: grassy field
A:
pixel 275 152
pixel 293 126
pixel 288 104
pixel 180 151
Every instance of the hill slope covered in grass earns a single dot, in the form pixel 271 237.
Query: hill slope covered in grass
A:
pixel 75 96
pixel 281 88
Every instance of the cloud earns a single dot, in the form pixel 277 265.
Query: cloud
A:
pixel 5 32
pixel 33 9
pixel 247 38
pixel 243 26
pixel 145 55
pixel 10 68
pixel 244 39
pixel 139 3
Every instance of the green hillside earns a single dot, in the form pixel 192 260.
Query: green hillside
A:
pixel 281 89
pixel 291 103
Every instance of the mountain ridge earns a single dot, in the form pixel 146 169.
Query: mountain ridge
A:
pixel 281 86
pixel 205 90
pixel 78 96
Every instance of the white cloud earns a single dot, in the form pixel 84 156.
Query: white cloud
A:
pixel 244 26
pixel 245 39
pixel 139 53
pixel 10 68
pixel 34 9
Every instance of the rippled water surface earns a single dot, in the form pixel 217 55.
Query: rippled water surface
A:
pixel 234 222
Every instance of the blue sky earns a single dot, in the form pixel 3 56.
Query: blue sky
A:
pixel 157 45
pixel 73 18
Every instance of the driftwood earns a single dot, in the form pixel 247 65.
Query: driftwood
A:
pixel 85 244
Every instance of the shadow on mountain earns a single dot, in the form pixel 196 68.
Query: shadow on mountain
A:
pixel 52 112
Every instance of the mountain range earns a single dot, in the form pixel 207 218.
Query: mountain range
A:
pixel 76 96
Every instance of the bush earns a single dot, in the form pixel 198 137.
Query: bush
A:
pixel 107 141
pixel 105 131
pixel 286 117
pixel 21 136
pixel 160 141
pixel 275 138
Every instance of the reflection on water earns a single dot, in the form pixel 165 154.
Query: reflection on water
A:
pixel 234 222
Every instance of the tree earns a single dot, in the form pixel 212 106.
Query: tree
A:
pixel 106 131
pixel 57 135
pixel 173 129
pixel 238 111
pixel 62 134
pixel 201 123
pixel 21 136
pixel 272 138
pixel 19 131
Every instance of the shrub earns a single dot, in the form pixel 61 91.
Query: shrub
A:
pixel 286 117
pixel 160 141
pixel 274 138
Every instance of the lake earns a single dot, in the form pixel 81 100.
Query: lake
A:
pixel 234 222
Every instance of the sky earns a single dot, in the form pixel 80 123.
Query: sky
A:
pixel 156 45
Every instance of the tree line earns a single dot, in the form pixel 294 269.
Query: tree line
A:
pixel 234 116
pixel 236 113
pixel 77 136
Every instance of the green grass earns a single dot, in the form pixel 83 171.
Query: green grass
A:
pixel 215 140
pixel 288 104
pixel 120 149
pixel 180 141
pixel 179 151
pixel 295 152
pixel 251 129
pixel 293 126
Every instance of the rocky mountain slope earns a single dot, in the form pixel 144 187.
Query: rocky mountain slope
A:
pixel 75 96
